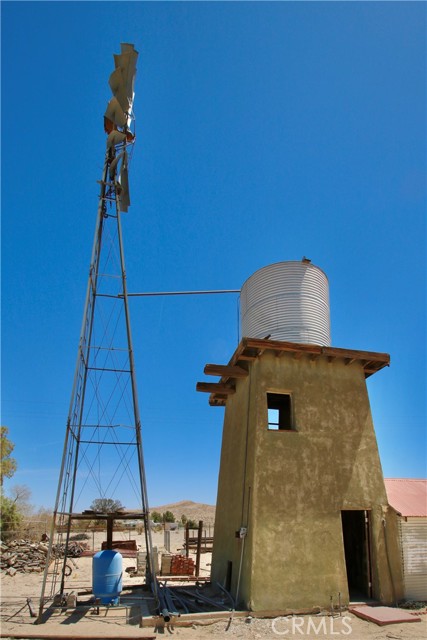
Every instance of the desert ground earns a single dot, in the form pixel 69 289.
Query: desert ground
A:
pixel 124 621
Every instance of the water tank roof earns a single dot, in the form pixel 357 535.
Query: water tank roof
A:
pixel 304 261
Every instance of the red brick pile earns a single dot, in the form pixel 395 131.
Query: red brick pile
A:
pixel 182 566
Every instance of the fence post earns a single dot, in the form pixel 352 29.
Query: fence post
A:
pixel 187 540
pixel 199 545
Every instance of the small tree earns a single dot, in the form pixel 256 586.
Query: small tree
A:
pixel 10 518
pixel 7 464
pixel 168 517
pixel 106 505
pixel 156 516
pixel 184 518
pixel 192 524
pixel 20 495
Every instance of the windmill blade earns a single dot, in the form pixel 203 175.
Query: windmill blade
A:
pixel 118 87
pixel 122 79
pixel 126 46
pixel 115 113
pixel 126 61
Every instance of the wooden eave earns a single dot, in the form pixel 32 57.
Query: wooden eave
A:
pixel 250 349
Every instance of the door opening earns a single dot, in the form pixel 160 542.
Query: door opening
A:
pixel 356 536
pixel 228 575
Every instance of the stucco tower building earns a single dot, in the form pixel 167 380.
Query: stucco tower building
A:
pixel 302 514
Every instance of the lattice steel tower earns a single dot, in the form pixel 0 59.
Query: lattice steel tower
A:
pixel 102 456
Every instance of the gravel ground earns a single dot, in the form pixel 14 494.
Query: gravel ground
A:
pixel 119 622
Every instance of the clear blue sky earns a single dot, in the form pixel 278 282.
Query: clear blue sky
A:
pixel 265 132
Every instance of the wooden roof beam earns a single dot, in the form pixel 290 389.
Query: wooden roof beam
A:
pixel 311 349
pixel 215 387
pixel 368 356
pixel 297 355
pixel 279 345
pixel 216 401
pixel 348 361
pixel 225 370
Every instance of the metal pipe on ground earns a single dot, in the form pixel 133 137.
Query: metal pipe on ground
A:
pixel 188 597
pixel 211 601
pixel 169 602
pixel 198 596
pixel 227 594
pixel 164 605
pixel 180 601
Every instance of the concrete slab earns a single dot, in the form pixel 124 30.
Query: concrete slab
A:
pixel 384 615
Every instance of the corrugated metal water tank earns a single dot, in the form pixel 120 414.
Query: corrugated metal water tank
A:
pixel 288 301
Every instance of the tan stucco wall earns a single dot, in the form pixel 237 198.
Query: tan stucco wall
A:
pixel 298 483
pixel 235 491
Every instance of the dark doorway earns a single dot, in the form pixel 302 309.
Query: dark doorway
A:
pixel 228 575
pixel 356 536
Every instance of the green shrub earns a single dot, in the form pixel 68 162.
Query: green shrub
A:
pixel 10 518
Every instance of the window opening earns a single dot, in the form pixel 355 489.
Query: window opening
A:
pixel 279 407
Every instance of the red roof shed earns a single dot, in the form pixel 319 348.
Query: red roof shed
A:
pixel 407 496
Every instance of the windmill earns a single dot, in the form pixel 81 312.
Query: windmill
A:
pixel 103 456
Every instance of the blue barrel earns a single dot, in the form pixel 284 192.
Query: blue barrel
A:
pixel 107 572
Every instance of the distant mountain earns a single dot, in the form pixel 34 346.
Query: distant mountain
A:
pixel 193 510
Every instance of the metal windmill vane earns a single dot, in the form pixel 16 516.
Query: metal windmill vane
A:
pixel 118 119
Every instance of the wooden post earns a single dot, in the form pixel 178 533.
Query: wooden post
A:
pixel 187 539
pixel 110 524
pixel 199 545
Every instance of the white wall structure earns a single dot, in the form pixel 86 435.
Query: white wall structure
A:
pixel 413 540
pixel 409 499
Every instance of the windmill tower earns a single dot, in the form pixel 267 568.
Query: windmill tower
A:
pixel 102 455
